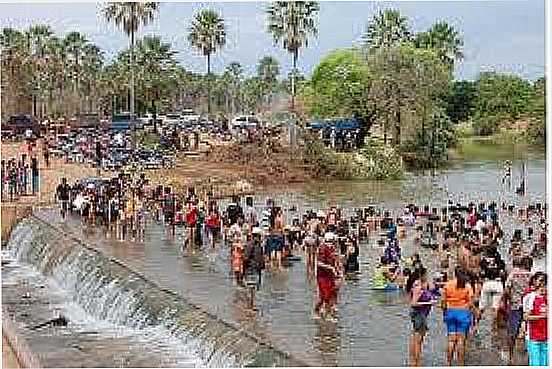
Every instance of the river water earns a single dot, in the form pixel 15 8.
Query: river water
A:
pixel 373 327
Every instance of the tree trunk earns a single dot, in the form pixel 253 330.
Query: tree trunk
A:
pixel 209 84
pixel 154 114
pixel 295 55
pixel 398 128
pixel 132 64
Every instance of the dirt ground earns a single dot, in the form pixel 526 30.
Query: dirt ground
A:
pixel 226 170
pixel 49 177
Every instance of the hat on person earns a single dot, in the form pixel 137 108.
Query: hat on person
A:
pixel 256 230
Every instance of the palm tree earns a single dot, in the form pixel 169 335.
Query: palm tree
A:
pixel 292 23
pixel 207 34
pixel 14 56
pixel 268 71
pixel 444 39
pixel 130 16
pixel 155 60
pixel 74 44
pixel 38 37
pixel 56 72
pixel 234 76
pixel 387 28
pixel 92 64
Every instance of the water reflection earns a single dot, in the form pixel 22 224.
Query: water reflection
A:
pixel 328 341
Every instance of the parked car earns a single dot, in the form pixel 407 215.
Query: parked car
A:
pixel 172 120
pixel 188 116
pixel 124 122
pixel 19 124
pixel 244 121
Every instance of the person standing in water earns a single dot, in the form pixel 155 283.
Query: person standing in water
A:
pixel 535 309
pixel 326 275
pixel 507 176
pixel 421 300
pixel 457 304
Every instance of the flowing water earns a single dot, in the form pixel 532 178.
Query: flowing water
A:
pixel 151 285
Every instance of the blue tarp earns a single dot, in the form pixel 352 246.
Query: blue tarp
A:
pixel 338 124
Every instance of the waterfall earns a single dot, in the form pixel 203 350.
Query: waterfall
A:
pixel 109 291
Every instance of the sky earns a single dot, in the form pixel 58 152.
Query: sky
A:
pixel 504 36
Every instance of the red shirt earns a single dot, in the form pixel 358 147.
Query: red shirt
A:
pixel 326 255
pixel 213 221
pixel 191 217
pixel 538 329
pixel 472 220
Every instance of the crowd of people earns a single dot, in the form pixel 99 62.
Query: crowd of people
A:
pixel 20 176
pixel 472 280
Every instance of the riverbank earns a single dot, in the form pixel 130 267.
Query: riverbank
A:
pixel 50 176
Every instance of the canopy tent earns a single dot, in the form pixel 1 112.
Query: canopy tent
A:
pixel 340 124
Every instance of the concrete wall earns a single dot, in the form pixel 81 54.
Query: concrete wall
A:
pixel 11 214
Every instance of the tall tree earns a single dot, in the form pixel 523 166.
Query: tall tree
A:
pixel 406 80
pixel 74 44
pixel 207 34
pixel 268 71
pixel 15 55
pixel 386 29
pixel 234 73
pixel 444 39
pixel 38 37
pixel 155 62
pixel 292 23
pixel 92 66
pixel 130 16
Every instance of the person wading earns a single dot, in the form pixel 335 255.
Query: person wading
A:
pixel 457 303
pixel 421 300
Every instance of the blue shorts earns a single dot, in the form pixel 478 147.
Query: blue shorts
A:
pixel 538 353
pixel 274 243
pixel 458 320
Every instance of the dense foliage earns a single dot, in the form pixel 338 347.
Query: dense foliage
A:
pixel 400 84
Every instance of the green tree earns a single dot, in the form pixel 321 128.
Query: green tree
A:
pixel 536 130
pixel 38 37
pixel 155 63
pixel 292 23
pixel 74 44
pixel 500 98
pixel 339 85
pixel 207 34
pixel 460 101
pixel 268 70
pixel 14 76
pixel 234 79
pixel 444 39
pixel 406 80
pixel 130 16
pixel 252 94
pixel 387 28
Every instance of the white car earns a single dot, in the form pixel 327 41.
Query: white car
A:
pixel 146 119
pixel 188 115
pixel 172 120
pixel 244 122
